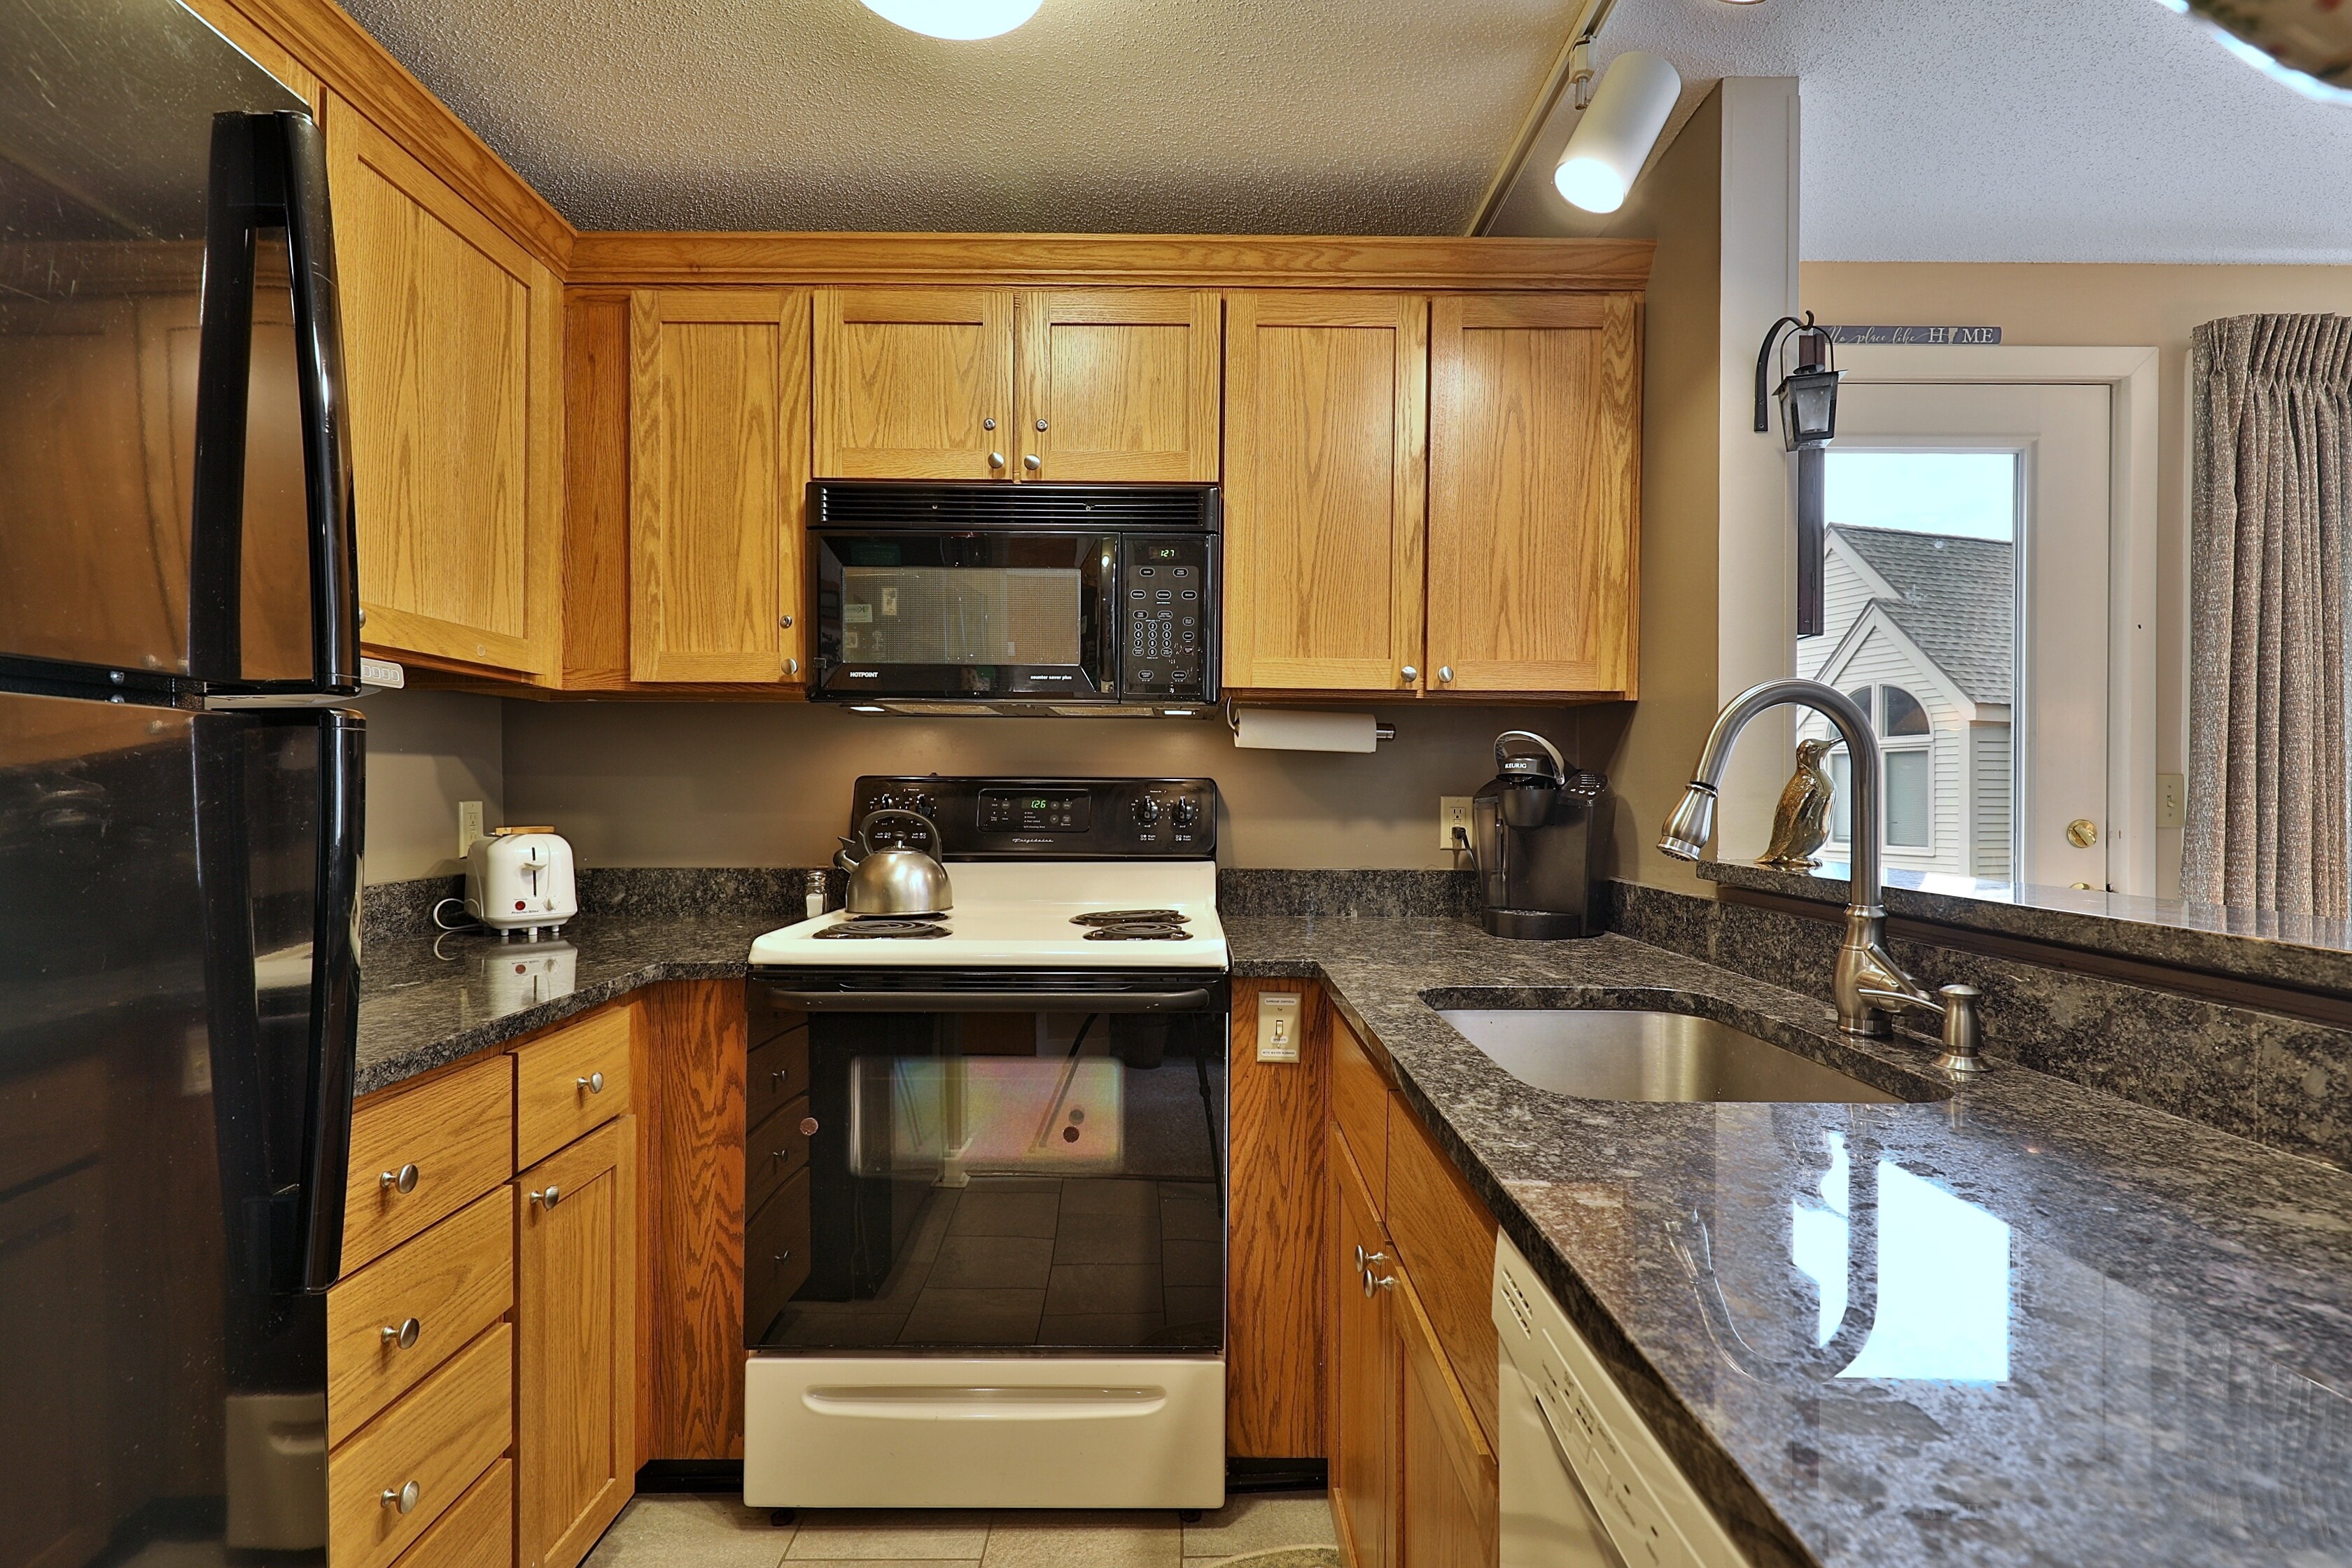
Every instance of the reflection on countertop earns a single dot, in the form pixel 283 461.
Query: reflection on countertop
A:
pixel 2027 1324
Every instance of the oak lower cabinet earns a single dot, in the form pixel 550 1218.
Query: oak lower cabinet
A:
pixel 1056 385
pixel 1534 493
pixel 1448 1500
pixel 575 1319
pixel 718 463
pixel 1325 433
pixel 453 341
pixel 1363 1356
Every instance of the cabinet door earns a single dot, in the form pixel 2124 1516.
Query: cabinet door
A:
pixel 913 384
pixel 1118 384
pixel 1364 1372
pixel 453 336
pixel 1452 1512
pixel 575 1319
pixel 1534 505
pixel 717 457
pixel 1324 394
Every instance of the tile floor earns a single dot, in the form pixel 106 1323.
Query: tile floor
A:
pixel 720 1532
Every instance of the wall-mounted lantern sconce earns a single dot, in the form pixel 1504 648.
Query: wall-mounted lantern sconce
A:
pixel 1808 395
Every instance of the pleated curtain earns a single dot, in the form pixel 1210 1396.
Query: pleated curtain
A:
pixel 2270 498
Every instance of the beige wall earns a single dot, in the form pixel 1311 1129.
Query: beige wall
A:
pixel 2120 305
pixel 427 752
pixel 768 784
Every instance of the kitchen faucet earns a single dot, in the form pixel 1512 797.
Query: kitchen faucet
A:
pixel 1869 985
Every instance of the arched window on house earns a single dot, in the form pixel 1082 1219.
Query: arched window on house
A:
pixel 1907 741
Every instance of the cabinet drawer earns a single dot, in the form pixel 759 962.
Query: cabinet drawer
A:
pixel 778 1073
pixel 440 1438
pixel 1360 1103
pixel 571 1081
pixel 455 1131
pixel 478 1530
pixel 452 1282
pixel 1446 1237
pixel 775 1254
pixel 776 1150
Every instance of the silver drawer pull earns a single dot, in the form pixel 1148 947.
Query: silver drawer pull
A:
pixel 404 1498
pixel 778 1076
pixel 783 1257
pixel 550 1198
pixel 593 1083
pixel 401 1335
pixel 401 1181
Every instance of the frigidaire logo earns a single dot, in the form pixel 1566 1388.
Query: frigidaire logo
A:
pixel 864 675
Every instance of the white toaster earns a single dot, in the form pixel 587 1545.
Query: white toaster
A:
pixel 520 878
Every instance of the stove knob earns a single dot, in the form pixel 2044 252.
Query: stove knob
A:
pixel 1147 810
pixel 1186 813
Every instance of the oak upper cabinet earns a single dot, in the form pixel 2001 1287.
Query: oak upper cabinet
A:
pixel 1118 385
pixel 453 337
pixel 575 1352
pixel 718 457
pixel 1534 504
pixel 913 384
pixel 1325 430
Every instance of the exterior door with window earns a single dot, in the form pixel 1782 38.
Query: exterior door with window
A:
pixel 1967 609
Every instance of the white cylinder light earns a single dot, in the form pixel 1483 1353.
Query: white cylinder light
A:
pixel 1610 144
pixel 956 18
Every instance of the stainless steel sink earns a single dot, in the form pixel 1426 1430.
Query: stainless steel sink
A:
pixel 1625 1054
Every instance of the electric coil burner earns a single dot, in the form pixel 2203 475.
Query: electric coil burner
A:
pixel 985 1174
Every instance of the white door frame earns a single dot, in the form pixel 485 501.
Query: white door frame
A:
pixel 2130 376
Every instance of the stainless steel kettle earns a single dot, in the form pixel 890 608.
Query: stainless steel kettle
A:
pixel 899 879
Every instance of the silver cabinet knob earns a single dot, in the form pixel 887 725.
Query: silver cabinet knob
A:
pixel 996 460
pixel 593 1083
pixel 988 423
pixel 549 1198
pixel 404 1498
pixel 1032 462
pixel 808 1126
pixel 1410 673
pixel 1041 424
pixel 791 666
pixel 785 622
pixel 403 1334
pixel 401 1181
pixel 1445 672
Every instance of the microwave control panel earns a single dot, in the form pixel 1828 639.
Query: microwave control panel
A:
pixel 1165 630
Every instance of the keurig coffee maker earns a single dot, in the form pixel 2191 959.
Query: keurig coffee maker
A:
pixel 1531 834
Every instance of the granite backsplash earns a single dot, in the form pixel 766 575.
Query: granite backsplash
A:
pixel 2286 1082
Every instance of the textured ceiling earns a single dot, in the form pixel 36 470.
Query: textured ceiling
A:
pixel 1203 116
pixel 2011 131
pixel 1995 129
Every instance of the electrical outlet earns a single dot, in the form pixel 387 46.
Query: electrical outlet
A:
pixel 1277 1026
pixel 1453 816
pixel 2171 801
pixel 470 825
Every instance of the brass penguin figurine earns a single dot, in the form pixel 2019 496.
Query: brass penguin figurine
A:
pixel 1801 825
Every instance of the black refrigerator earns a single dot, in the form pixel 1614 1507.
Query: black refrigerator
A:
pixel 180 799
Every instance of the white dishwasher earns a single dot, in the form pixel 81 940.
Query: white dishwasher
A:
pixel 1584 1481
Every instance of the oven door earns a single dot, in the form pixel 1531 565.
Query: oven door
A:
pixel 985 1180
pixel 974 616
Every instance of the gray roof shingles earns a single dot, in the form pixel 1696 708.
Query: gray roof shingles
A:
pixel 1957 600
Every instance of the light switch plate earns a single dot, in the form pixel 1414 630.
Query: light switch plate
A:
pixel 1453 813
pixel 2171 801
pixel 1277 1026
pixel 470 825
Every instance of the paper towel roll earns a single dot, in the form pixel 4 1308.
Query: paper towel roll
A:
pixel 1304 730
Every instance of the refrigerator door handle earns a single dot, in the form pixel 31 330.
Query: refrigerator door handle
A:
pixel 334 997
pixel 269 171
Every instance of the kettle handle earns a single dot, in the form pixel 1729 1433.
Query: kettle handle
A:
pixel 1502 751
pixel 865 828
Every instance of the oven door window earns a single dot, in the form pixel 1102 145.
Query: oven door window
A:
pixel 1046 1181
pixel 915 615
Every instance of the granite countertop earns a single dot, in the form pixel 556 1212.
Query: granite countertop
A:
pixel 2023 1323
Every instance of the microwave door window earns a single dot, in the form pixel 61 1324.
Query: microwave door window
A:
pixel 962 614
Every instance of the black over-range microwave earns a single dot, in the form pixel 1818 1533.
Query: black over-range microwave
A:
pixel 989 597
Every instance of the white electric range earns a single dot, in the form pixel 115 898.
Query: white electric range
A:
pixel 986 1177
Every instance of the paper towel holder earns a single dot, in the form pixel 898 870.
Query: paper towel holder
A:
pixel 1382 729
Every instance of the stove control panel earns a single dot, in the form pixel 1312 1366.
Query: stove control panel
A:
pixel 1062 818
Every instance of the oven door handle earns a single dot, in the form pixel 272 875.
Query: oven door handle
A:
pixel 992 1001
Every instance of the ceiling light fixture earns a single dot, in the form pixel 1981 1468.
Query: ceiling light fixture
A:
pixel 1605 152
pixel 957 19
